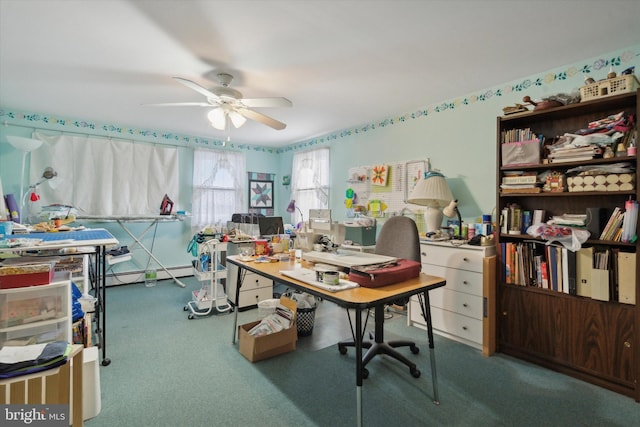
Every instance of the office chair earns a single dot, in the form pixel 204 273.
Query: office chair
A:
pixel 398 238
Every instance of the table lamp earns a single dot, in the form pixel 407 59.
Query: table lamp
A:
pixel 25 145
pixel 48 174
pixel 292 208
pixel 433 192
pixel 451 211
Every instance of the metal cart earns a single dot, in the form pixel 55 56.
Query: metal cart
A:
pixel 210 270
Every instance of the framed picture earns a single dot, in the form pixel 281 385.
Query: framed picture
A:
pixel 260 194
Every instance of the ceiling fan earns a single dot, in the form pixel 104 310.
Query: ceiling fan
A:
pixel 229 105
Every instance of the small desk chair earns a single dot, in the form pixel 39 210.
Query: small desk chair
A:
pixel 398 238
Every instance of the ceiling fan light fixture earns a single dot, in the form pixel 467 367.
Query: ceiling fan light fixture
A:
pixel 217 118
pixel 237 119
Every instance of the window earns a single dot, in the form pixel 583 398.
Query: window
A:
pixel 218 189
pixel 310 182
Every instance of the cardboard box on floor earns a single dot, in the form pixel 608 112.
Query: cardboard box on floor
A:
pixel 266 346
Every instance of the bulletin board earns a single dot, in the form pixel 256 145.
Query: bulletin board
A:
pixel 383 188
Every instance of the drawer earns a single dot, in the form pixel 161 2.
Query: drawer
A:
pixel 252 297
pixel 450 323
pixel 32 304
pixel 457 302
pixel 458 280
pixel 465 259
pixel 254 281
pixel 457 325
pixel 37 333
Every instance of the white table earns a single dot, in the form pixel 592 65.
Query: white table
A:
pixel 98 239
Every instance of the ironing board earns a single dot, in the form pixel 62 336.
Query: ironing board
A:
pixel 152 220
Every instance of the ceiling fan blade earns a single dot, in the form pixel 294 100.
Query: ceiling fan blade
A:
pixel 197 88
pixel 266 102
pixel 179 104
pixel 259 117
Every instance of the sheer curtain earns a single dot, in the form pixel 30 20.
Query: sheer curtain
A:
pixel 310 181
pixel 218 187
pixel 100 176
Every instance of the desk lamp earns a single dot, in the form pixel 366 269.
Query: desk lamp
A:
pixel 452 210
pixel 25 145
pixel 292 208
pixel 433 192
pixel 48 174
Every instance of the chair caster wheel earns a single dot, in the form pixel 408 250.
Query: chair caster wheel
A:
pixel 415 373
pixel 106 362
pixel 342 349
pixel 365 373
pixel 190 317
pixel 414 349
pixel 185 308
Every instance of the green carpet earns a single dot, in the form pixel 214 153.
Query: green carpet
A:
pixel 167 370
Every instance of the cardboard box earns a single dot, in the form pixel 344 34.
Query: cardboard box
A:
pixel 363 236
pixel 266 346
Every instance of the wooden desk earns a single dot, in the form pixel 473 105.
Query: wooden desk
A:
pixel 56 386
pixel 358 299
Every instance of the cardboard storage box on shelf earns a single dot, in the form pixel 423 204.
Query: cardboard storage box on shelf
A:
pixel 19 276
pixel 266 346
pixel 359 235
pixel 610 182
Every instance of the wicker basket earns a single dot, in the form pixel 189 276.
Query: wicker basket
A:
pixel 609 87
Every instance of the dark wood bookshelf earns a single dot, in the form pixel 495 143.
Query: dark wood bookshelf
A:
pixel 591 339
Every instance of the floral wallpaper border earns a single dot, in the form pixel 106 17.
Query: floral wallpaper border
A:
pixel 626 57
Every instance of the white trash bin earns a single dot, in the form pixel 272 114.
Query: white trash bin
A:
pixel 91 399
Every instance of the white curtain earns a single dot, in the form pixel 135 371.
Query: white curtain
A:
pixel 101 176
pixel 218 187
pixel 310 181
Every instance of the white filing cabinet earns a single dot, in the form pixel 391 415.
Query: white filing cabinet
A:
pixel 36 314
pixel 255 288
pixel 457 308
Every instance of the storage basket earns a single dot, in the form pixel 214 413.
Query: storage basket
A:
pixel 305 318
pixel 608 87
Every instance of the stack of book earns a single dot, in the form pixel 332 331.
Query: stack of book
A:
pixel 573 154
pixel 520 182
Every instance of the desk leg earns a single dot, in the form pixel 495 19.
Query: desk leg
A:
pixel 102 279
pixel 143 247
pixel 358 345
pixel 235 314
pixel 425 306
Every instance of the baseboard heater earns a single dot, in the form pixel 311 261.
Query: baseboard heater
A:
pixel 137 276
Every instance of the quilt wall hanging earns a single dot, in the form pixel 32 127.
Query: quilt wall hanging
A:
pixel 261 197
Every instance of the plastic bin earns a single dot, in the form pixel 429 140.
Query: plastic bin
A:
pixel 267 307
pixel 305 318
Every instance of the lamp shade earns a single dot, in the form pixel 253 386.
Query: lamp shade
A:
pixel 431 191
pixel 292 206
pixel 23 144
pixel 217 118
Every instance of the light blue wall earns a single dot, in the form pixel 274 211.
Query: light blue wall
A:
pixel 457 135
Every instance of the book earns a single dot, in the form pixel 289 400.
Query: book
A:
pixel 520 179
pixel 609 223
pixel 538 216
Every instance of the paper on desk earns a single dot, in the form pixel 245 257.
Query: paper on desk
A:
pixel 22 353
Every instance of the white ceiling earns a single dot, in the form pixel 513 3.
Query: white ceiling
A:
pixel 341 63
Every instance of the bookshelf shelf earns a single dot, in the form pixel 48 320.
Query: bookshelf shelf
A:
pixel 585 325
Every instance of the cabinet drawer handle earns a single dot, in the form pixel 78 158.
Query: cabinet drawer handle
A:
pixel 464 282
pixel 464 328
pixel 465 305
pixel 465 259
pixel 627 344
